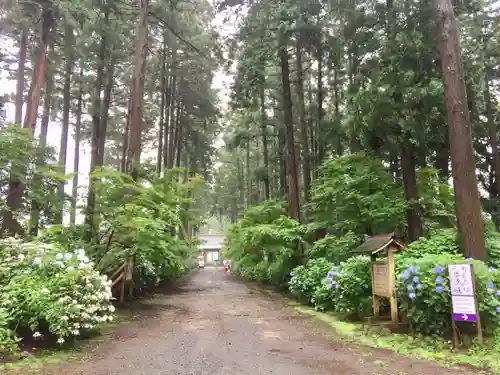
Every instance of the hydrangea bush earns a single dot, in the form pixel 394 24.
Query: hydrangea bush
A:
pixel 306 279
pixel 51 293
pixel 343 288
pixel 424 295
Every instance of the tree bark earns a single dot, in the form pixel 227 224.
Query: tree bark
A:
pixel 42 146
pixel 293 190
pixel 163 89
pixel 69 47
pixel 413 212
pixel 95 135
pixel 21 67
pixel 306 171
pixel 265 151
pixel 15 192
pixel 468 207
pixel 76 157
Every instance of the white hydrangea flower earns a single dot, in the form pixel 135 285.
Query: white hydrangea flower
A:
pixel 37 335
pixel 60 340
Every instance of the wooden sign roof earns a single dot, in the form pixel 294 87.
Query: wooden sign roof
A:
pixel 376 244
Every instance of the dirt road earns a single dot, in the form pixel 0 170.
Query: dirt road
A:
pixel 215 325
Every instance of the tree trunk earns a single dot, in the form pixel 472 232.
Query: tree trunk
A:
pixel 413 212
pixel 23 47
pixel 468 207
pixel 163 89
pixel 495 155
pixel 104 116
pixel 95 135
pixel 76 157
pixel 42 146
pixel 69 47
pixel 306 171
pixel 293 190
pixel 16 185
pixel 263 119
pixel 319 100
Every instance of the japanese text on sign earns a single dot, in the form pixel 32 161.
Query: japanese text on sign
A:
pixel 380 274
pixel 462 293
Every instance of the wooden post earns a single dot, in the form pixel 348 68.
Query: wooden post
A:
pixel 375 300
pixel 392 285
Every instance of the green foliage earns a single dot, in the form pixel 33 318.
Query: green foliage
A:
pixel 49 293
pixel 439 242
pixel 424 296
pixel 21 157
pixel 356 193
pixel 265 244
pixel 138 220
pixel 306 278
pixel 334 249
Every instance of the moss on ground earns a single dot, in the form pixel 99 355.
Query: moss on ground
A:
pixel 486 357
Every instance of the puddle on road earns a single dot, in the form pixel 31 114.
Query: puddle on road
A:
pixel 195 325
pixel 271 335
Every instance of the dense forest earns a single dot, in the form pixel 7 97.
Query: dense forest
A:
pixel 129 86
pixel 345 119
pixel 361 114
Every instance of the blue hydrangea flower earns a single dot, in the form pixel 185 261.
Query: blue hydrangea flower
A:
pixel 405 275
pixel 416 279
pixel 439 289
pixel 491 285
pixel 498 293
pixel 334 282
pixel 412 296
pixel 37 261
pixel 468 259
pixel 410 288
pixel 294 278
pixel 498 309
pixel 491 268
pixel 438 270
pixel 412 270
pixel 329 286
pixel 419 286
pixel 439 280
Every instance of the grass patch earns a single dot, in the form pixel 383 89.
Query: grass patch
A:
pixel 485 358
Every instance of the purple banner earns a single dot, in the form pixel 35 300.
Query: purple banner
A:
pixel 465 317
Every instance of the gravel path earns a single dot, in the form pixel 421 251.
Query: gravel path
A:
pixel 215 325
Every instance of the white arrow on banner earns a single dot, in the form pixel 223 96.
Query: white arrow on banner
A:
pixel 465 316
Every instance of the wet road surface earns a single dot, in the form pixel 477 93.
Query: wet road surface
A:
pixel 215 325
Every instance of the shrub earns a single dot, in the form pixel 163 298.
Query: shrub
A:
pixel 354 292
pixel 51 293
pixel 345 288
pixel 424 296
pixel 265 247
pixel 335 249
pixel 439 242
pixel 307 278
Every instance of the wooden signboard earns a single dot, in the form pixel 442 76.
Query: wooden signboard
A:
pixel 129 269
pixel 383 271
pixel 380 282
